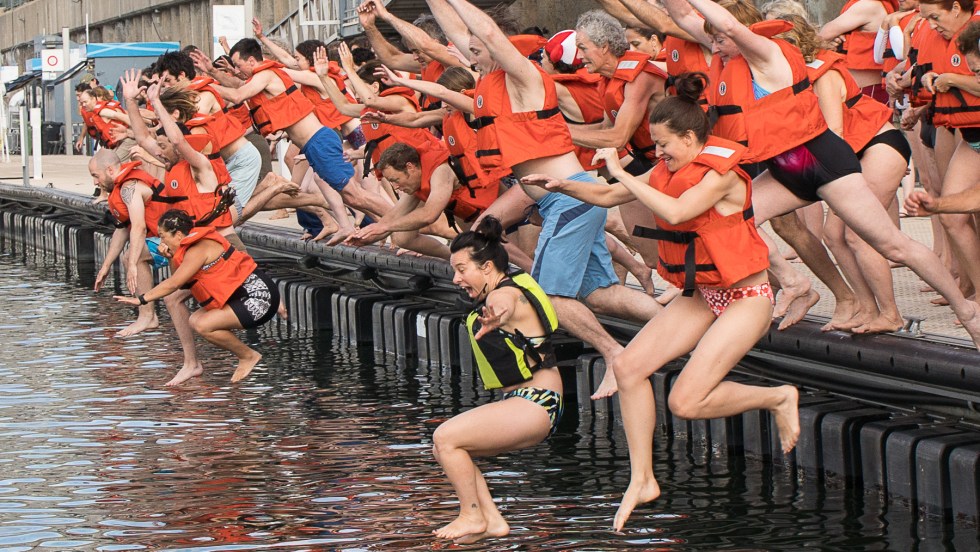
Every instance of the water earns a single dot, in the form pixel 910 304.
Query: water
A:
pixel 326 447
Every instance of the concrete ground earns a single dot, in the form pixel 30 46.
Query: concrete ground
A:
pixel 70 173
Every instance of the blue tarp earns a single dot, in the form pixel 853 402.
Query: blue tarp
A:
pixel 130 49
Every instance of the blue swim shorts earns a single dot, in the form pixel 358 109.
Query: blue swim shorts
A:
pixel 325 153
pixel 571 259
pixel 153 246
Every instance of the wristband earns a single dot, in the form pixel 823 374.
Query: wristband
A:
pixel 142 299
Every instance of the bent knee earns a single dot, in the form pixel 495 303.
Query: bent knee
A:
pixel 956 221
pixel 682 406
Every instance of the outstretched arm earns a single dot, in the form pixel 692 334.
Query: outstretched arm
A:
pixel 131 90
pixel 656 18
pixel 388 53
pixel 589 192
pixel 630 116
pixel 458 100
pixel 687 19
pixel 280 53
pixel 197 160
pixel 417 119
pixel 857 16
pixel 322 67
pixel 364 92
pixel 520 70
pixel 194 259
pixel 451 24
pixel 675 210
pixel 415 36
pixel 757 50
pixel 204 65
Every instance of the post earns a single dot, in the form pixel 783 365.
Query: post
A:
pixel 36 141
pixel 23 143
pixel 249 14
pixel 66 55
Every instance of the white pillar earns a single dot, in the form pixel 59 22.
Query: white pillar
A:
pixel 66 55
pixel 36 141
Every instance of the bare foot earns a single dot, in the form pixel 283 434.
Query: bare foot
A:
pixel 306 236
pixel 607 387
pixel 279 214
pixel 791 254
pixel 462 527
pixel 847 314
pixel 858 317
pixel 138 326
pixel 496 528
pixel 327 230
pixel 926 289
pixel 639 492
pixel 971 323
pixel 880 324
pixel 798 307
pixel 787 414
pixel 668 295
pixel 186 373
pixel 645 278
pixel 790 292
pixel 281 311
pixel 245 366
pixel 939 302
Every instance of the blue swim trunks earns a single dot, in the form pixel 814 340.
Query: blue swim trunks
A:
pixel 571 259
pixel 325 153
pixel 153 246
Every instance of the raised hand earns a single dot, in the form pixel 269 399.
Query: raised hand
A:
pixel 256 27
pixel 321 63
pixel 346 57
pixel 131 84
pixel 609 156
pixel 202 62
pixel 489 321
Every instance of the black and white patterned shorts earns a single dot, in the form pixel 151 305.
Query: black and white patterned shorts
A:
pixel 256 301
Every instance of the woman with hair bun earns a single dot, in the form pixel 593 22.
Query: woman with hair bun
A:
pixel 709 248
pixel 234 294
pixel 510 331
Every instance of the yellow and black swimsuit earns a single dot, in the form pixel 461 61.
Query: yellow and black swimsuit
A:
pixel 504 358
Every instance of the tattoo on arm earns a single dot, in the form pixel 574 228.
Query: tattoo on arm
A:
pixel 127 194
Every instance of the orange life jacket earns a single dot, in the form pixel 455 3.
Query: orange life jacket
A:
pixel 103 127
pixel 956 108
pixel 863 116
pixel 775 123
pixel 324 109
pixel 506 138
pixel 381 136
pixel 527 44
pixel 223 128
pixel 205 207
pixel 925 48
pixel 584 88
pixel 613 89
pixel 153 209
pixel 204 144
pixel 710 249
pixel 460 139
pixel 272 114
pixel 90 127
pixel 858 46
pixel 683 56
pixel 214 285
pixel 431 73
pixel 242 114
pixel 464 203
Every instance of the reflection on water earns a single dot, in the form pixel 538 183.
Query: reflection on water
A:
pixel 327 447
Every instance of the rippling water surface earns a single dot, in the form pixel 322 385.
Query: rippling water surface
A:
pixel 326 447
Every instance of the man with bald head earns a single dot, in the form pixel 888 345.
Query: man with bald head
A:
pixel 134 208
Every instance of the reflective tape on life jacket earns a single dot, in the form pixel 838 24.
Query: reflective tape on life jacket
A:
pixel 613 89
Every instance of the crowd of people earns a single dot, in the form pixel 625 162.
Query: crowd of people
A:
pixel 652 136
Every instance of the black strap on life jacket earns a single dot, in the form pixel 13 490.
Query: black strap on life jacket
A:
pixel 853 100
pixel 962 108
pixel 487 120
pixel 226 198
pixel 464 179
pixel 690 268
pixel 369 148
pixel 157 190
